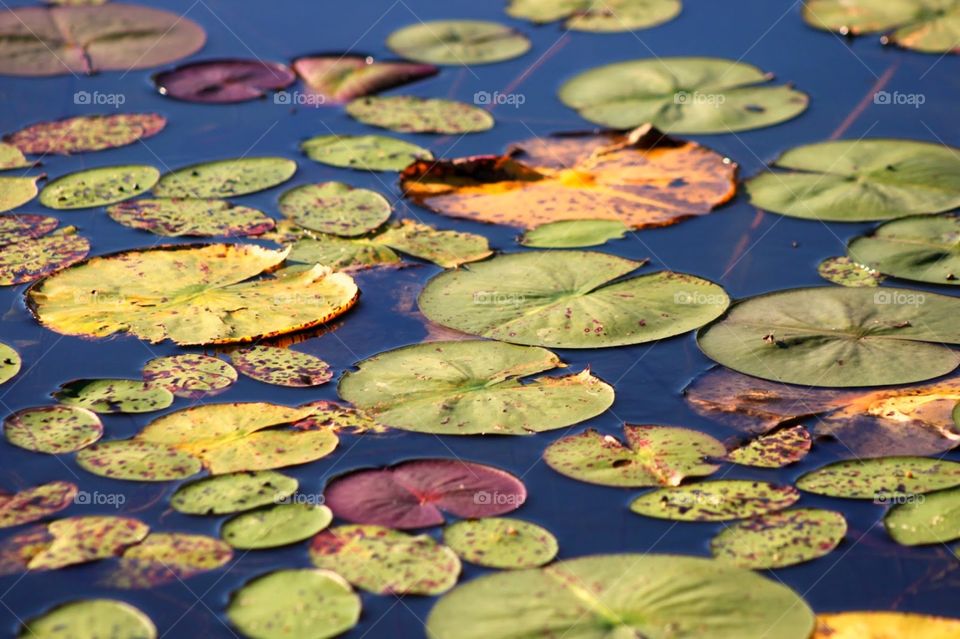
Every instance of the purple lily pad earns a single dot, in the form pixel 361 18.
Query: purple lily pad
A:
pixel 224 81
pixel 337 79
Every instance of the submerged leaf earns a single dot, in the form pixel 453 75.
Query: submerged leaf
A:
pixel 86 133
pixel 52 429
pixel 163 558
pixel 365 152
pixel 881 479
pixel 98 187
pixel 922 248
pixel 233 493
pixel 458 42
pixel 340 78
pixel 774 450
pixel 35 503
pixel 278 525
pixel 188 375
pixel 282 366
pixel 500 542
pixel 574 233
pixel 91 619
pixel 928 26
pixel 719 500
pixel 114 395
pixel 846 272
pixel 194 218
pixel 409 114
pixel 780 539
pixel 335 208
pixel 605 16
pixel 224 81
pixel 884 625
pixel 225 178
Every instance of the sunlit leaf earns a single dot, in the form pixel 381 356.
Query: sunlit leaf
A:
pixel 780 539
pixel 232 493
pixel 341 253
pixel 91 619
pixel 881 479
pixel 445 248
pixel 98 187
pixel 774 450
pixel 16 191
pixel 929 26
pixel 12 158
pixel 188 375
pixel 10 363
pixel 52 429
pixel 281 366
pixel 30 247
pixel 366 152
pixel 409 114
pixel 846 272
pixel 196 218
pixel 86 133
pixel 500 542
pixel 602 16
pixel 335 208
pixel 114 395
pixel 574 233
pixel 719 500
pixel 884 625
pixel 925 519
pixel 164 558
pixel 36 502
pixel 137 460
pixel 224 81
pixel 458 42
pixel 278 525
pixel 339 418
pixel 225 178
pixel 923 248
pixel 340 78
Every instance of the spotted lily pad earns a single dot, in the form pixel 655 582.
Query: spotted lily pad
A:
pixel 36 502
pixel 415 494
pixel 30 248
pixel 472 387
pixel 224 81
pixel 16 191
pixel 98 187
pixel 191 376
pixel 278 525
pixel 137 460
pixel 569 299
pixel 501 542
pixel 922 248
pixel 409 114
pixel 190 294
pixel 282 366
pixel 196 218
pixel 364 152
pixel 846 272
pixel 114 395
pixel 574 233
pixel 926 519
pixel 884 625
pixel 335 208
pixel 22 227
pixel 652 456
pixel 86 133
pixel 719 500
pixel 164 558
pixel 458 42
pixel 10 363
pixel 342 253
pixel 53 429
pixel 91 619
pixel 385 561
pixel 336 79
pixel 780 539
pixel 225 178
pixel 445 248
pixel 774 450
pixel 339 418
pixel 882 478
pixel 929 26
pixel 12 158
pixel 605 16
pixel 232 493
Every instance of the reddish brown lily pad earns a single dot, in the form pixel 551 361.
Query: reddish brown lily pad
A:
pixel 163 558
pixel 189 375
pixel 137 460
pixel 194 218
pixel 86 133
pixel 30 248
pixel 339 79
pixel 53 429
pixel 224 81
pixel 282 366
pixel 775 450
pixel 25 226
pixel 35 503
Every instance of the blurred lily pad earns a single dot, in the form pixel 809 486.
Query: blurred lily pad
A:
pixel 337 79
pixel 458 42
pixel 224 81
pixel 114 395
pixel 883 625
pixel 364 152
pixel 98 187
pixel 194 218
pixel 33 247
pixel 574 233
pixel 409 114
pixel 36 502
pixel 137 460
pixel 16 191
pixel 501 542
pixel 882 478
pixel 10 363
pixel 846 272
pixel 719 500
pixel 12 158
pixel 86 133
pixel 928 26
pixel 281 366
pixel 773 450
pixel 91 619
pixel 605 16
pixel 163 558
pixel 232 493
pixel 189 375
pixel 926 519
pixel 921 248
pixel 226 178
pixel 335 208
pixel 52 429
pixel 780 539
pixel 278 525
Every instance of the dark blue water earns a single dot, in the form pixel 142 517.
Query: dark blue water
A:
pixel 747 252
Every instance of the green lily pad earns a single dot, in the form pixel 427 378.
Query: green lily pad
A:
pixel 53 429
pixel 136 460
pixel 318 604
pixel 682 95
pixel 385 561
pixel 501 542
pixel 279 525
pixel 569 299
pixel 31 504
pixel 574 233
pixel 472 387
pixel 458 42
pixel 882 478
pixel 720 500
pixel 335 208
pixel 923 248
pixel 282 366
pixel 846 272
pixel 838 337
pixel 339 419
pixel 86 133
pixel 773 450
pixel 192 218
pixel 91 619
pixel 233 493
pixel 409 114
pixel 16 191
pixel 652 456
pixel 191 376
pixel 925 519
pixel 225 178
pixel 98 187
pixel 780 539
pixel 164 558
pixel 860 180
pixel 929 26
pixel 10 363
pixel 12 158
pixel 445 248
pixel 364 152
pixel 114 395
pixel 37 251
pixel 588 15
pixel 621 596
pixel 341 253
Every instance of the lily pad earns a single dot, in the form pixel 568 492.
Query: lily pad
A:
pixel 44 41
pixel 471 388
pixel 922 248
pixel 91 619
pixel 569 299
pixel 774 450
pixel 780 539
pixel 53 429
pixel 12 158
pixel 884 625
pixel 458 42
pixel 114 395
pixel 22 227
pixel 190 294
pixel 278 525
pixel 191 376
pixel 625 595
pixel 838 337
pixel 335 208
pixel 28 257
pixel 193 218
pixel 409 114
pixel 652 456
pixel 574 233
pixel 860 180
pixel 385 561
pixel 98 187
pixel 346 254
pixel 415 494
pixel 501 542
pixel 336 79
pixel 86 133
pixel 236 492
pixel 445 248
pixel 364 152
pixel 136 460
pixel 282 366
pixel 606 17
pixel 36 502
pixel 881 479
pixel 226 178
pixel 224 81
pixel 295 603
pixel 925 519
pixel 16 191
pixel 928 26
pixel 339 419
pixel 682 95
pixel 164 558
pixel 846 272
pixel 10 363
pixel 720 500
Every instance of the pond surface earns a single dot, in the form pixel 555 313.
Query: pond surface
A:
pixel 746 251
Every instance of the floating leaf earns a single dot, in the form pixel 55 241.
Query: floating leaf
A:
pixel 445 248
pixel 415 494
pixel 31 256
pixel 884 625
pixel 164 558
pixel 500 542
pixel 196 218
pixel 114 395
pixel 928 26
pixel 12 158
pixel 16 191
pixel 606 16
pixel 625 595
pixel 365 152
pixel 191 376
pixel 837 337
pixel 282 366
pixel 569 299
pixel 224 81
pixel 882 478
pixel 652 456
pixel 43 41
pixel 35 503
pixel 860 180
pixel 190 294
pixel 91 619
pixel 923 248
pixel 295 603
pixel 341 78
pixel 458 42
pixel 780 539
pixel 574 233
pixel 385 561
pixel 225 178
pixel 775 450
pixel 52 429
pixel 925 519
pixel 279 525
pixel 682 95
pixel 86 133
pixel 409 114
pixel 98 187
pixel 136 460
pixel 471 388
pixel 22 227
pixel 233 493
pixel 341 253
pixel 642 179
pixel 720 500
pixel 10 363
pixel 846 272
pixel 335 208
pixel 339 418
